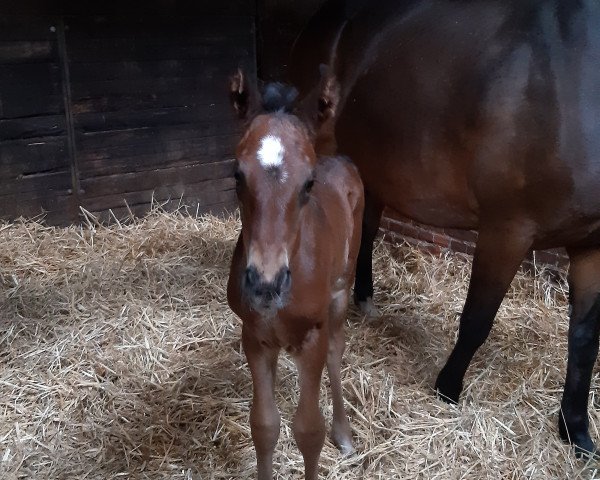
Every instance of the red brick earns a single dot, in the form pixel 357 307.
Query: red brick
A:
pixel 442 240
pixel 396 227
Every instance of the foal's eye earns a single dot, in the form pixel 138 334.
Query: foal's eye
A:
pixel 308 186
pixel 239 176
pixel 305 192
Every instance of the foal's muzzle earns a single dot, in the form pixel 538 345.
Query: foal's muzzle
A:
pixel 266 296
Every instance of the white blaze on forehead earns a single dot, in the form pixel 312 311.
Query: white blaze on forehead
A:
pixel 271 151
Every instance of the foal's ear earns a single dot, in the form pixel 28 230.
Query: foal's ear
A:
pixel 240 93
pixel 329 96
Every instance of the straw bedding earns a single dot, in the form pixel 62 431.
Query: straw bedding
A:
pixel 119 358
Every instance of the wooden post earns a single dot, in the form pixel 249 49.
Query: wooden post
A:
pixel 72 149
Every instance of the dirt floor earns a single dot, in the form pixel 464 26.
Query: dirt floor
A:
pixel 119 358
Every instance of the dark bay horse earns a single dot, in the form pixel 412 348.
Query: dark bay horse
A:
pixel 483 115
pixel 293 266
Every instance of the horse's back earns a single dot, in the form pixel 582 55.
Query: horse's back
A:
pixel 461 111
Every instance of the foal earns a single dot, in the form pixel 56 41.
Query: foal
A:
pixel 292 267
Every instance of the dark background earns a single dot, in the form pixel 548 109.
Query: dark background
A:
pixel 109 105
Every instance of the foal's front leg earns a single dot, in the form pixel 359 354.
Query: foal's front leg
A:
pixel 341 434
pixel 309 424
pixel 264 416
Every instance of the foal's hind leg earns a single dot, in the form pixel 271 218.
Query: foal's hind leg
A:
pixel 264 416
pixel 363 283
pixel 498 254
pixel 584 329
pixel 309 424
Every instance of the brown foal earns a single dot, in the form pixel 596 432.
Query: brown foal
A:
pixel 293 265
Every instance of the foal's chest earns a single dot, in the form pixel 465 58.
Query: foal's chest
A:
pixel 291 334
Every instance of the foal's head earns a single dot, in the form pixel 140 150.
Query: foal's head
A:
pixel 274 180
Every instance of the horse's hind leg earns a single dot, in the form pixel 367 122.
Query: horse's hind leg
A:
pixel 584 330
pixel 264 416
pixel 363 283
pixel 498 254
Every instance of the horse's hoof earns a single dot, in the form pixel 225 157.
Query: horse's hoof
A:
pixel 447 391
pixel 580 440
pixel 587 454
pixel 368 308
pixel 586 450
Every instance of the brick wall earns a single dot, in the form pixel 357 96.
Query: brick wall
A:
pixel 395 227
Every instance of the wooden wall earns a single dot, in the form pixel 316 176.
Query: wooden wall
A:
pixel 279 23
pixel 34 161
pixel 108 107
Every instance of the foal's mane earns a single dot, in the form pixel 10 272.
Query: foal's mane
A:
pixel 278 97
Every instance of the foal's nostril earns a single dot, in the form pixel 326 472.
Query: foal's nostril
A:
pixel 263 292
pixel 283 281
pixel 251 278
pixel 287 280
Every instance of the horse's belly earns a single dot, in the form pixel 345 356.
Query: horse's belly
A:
pixel 439 198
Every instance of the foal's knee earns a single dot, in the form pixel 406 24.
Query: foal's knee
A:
pixel 265 430
pixel 309 432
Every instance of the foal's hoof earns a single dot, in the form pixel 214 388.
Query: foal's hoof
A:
pixel 448 391
pixel 343 442
pixel 368 308
pixel 346 449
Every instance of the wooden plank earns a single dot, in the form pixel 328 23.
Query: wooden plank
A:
pixel 215 61
pixel 112 7
pixel 102 51
pixel 156 117
pixel 27 27
pixel 99 140
pixel 28 73
pixel 23 157
pixel 29 103
pixel 56 208
pixel 215 83
pixel 207 192
pixel 32 127
pixel 181 29
pixel 21 51
pixel 150 156
pixel 23 100
pixel 42 183
pixel 114 102
pixel 202 144
pixel 150 180
pixel 26 91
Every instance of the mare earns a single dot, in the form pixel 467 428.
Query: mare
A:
pixel 293 265
pixel 478 115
